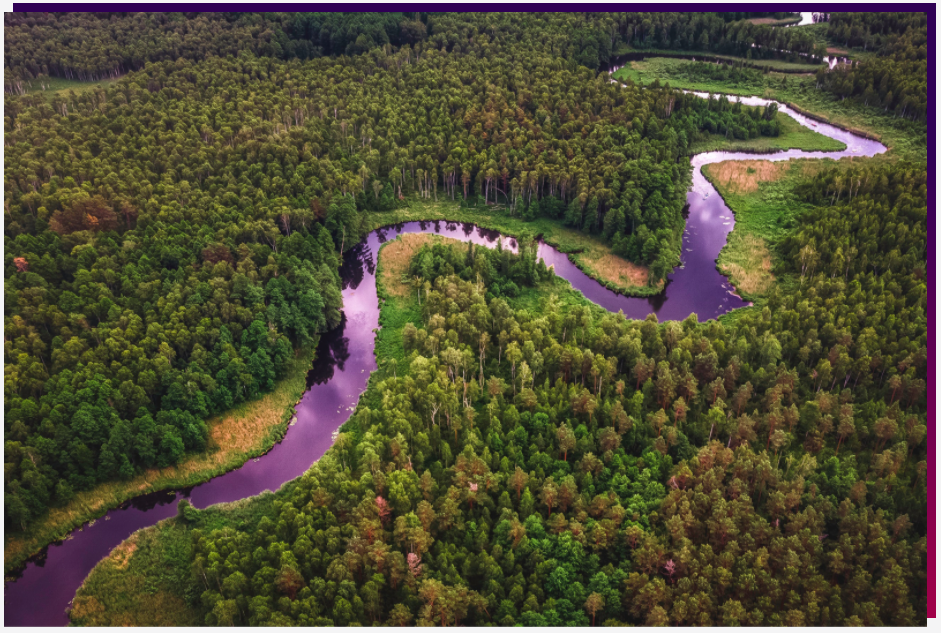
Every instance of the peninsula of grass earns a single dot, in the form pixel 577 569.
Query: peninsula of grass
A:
pixel 777 65
pixel 146 580
pixel 761 195
pixel 245 432
pixel 591 255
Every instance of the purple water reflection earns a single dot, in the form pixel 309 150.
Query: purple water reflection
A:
pixel 345 358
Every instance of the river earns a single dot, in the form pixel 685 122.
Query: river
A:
pixel 345 358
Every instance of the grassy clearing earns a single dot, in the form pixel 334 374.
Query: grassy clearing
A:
pixel 246 431
pixel 399 303
pixel 761 194
pixel 793 136
pixel 396 257
pixel 776 65
pixel 739 177
pixel 52 86
pixel 905 139
pixel 591 255
pixel 775 21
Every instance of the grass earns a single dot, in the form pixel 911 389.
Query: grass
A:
pixel 51 86
pixel 590 254
pixel 761 194
pixel 776 65
pixel 904 138
pixel 776 22
pixel 243 433
pixel 399 303
pixel 793 136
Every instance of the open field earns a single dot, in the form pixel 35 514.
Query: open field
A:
pixel 777 65
pixel 775 21
pixel 246 431
pixel 52 86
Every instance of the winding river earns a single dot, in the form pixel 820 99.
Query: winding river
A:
pixel 345 358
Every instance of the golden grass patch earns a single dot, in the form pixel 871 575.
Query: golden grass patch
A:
pixel 150 609
pixel 743 176
pixel 609 267
pixel 396 257
pixel 770 21
pixel 121 555
pixel 751 272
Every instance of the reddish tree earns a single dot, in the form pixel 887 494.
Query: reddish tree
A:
pixel 90 214
pixel 217 253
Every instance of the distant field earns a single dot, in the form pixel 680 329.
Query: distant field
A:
pixel 771 64
pixel 775 21
pixel 51 86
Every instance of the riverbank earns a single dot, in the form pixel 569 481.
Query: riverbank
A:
pixel 147 579
pixel 592 256
pixel 247 431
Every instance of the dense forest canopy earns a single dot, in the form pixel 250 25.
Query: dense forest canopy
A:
pixel 896 77
pixel 101 45
pixel 564 466
pixel 173 240
pixel 107 44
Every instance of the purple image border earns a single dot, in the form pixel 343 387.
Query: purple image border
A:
pixel 823 7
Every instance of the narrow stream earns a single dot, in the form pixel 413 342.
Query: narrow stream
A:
pixel 345 358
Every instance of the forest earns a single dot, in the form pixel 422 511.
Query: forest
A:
pixel 108 44
pixel 895 78
pixel 173 244
pixel 173 241
pixel 549 463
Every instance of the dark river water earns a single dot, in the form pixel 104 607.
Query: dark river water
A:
pixel 345 358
